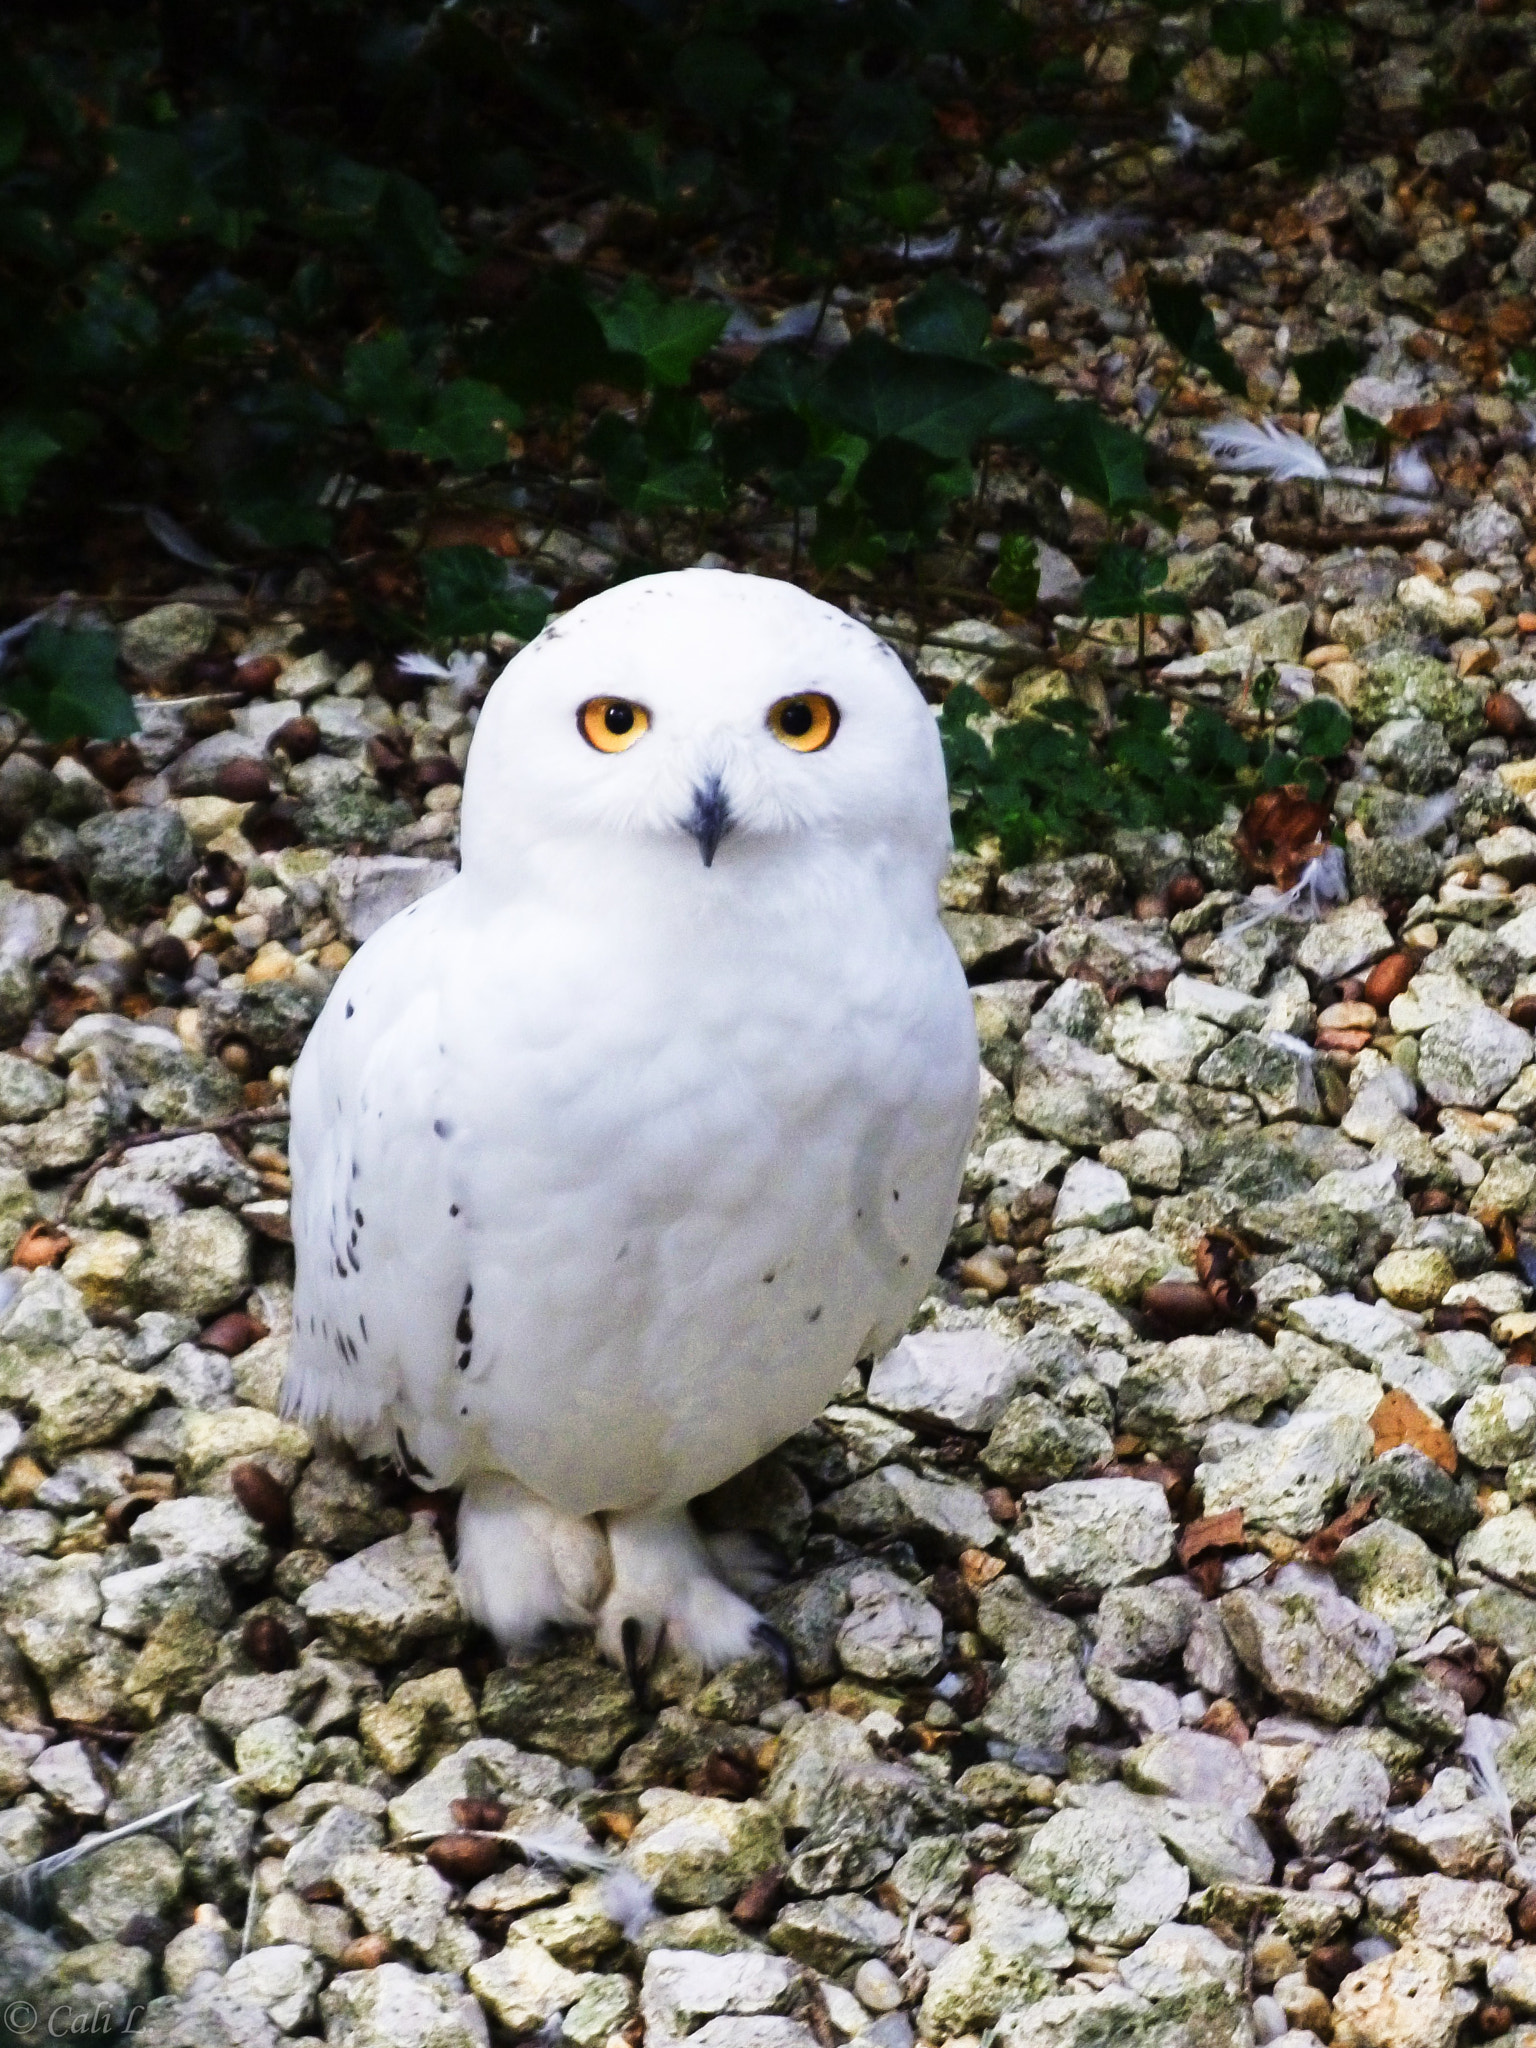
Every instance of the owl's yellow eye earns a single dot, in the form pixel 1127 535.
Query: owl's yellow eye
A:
pixel 807 723
pixel 612 723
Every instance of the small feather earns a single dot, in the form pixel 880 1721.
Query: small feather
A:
pixel 423 665
pixel 23 1887
pixel 176 540
pixel 1081 234
pixel 1411 472
pixel 1426 817
pixel 1264 447
pixel 1480 1753
pixel 1183 135
pixel 628 1901
pixel 14 635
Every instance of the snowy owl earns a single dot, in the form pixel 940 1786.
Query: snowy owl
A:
pixel 613 1155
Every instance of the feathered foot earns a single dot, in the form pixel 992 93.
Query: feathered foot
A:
pixel 665 1589
pixel 525 1566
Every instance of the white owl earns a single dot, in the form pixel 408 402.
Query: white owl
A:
pixel 612 1156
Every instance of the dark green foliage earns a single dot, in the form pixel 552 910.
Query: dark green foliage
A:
pixel 246 256
pixel 1247 28
pixel 67 684
pixel 1126 584
pixel 1185 319
pixel 1297 117
pixel 1016 579
pixel 468 594
pixel 1049 780
pixel 1325 373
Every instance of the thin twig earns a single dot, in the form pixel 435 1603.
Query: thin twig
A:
pixel 114 1152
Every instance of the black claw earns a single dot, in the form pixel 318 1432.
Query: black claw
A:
pixel 768 1638
pixel 631 1637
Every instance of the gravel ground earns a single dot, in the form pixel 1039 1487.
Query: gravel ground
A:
pixel 1164 1606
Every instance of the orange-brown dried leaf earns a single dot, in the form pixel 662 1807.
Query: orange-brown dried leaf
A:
pixel 1400 1420
pixel 44 1244
pixel 1324 1546
pixel 1210 1533
pixel 1513 321
pixel 1410 420
pixel 1281 830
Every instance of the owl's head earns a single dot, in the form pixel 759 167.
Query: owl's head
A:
pixel 714 716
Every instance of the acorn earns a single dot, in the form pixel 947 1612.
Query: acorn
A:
pixel 1184 892
pixel 268 1644
pixel 119 1516
pixel 114 762
pixel 232 1333
pixel 1388 978
pixel 1525 1916
pixel 298 738
pixel 260 1495
pixel 257 675
pixel 465 1859
pixel 1504 715
pixel 366 1953
pixel 243 782
pixel 168 956
pixel 1522 1011
pixel 482 1816
pixel 1180 1308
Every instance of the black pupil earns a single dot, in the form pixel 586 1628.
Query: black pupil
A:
pixel 619 718
pixel 796 719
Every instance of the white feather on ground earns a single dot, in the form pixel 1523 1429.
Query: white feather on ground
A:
pixel 1480 1753
pixel 1266 448
pixel 1426 817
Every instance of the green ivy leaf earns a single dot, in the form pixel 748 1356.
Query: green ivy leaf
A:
pixel 468 593
pixel 1325 373
pixel 553 346
pixel 721 78
pixel 1247 28
pixel 24 448
pixel 465 422
pixel 668 336
pixel 880 391
pixel 1297 119
pixel 1365 431
pixel 150 192
pixel 946 318
pixel 1321 728
pixel 67 686
pixel 1016 579
pixel 1038 141
pixel 1093 456
pixel 1187 321
pixel 1127 584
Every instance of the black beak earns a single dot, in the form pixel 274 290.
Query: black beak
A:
pixel 710 818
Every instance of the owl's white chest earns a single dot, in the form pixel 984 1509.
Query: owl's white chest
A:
pixel 688 1165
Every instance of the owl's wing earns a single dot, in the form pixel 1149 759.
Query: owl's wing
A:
pixel 381 1269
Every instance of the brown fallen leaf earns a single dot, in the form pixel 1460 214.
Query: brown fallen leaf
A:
pixel 1281 830
pixel 760 1900
pixel 1411 420
pixel 1323 1548
pixel 43 1244
pixel 1400 1420
pixel 1211 1532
